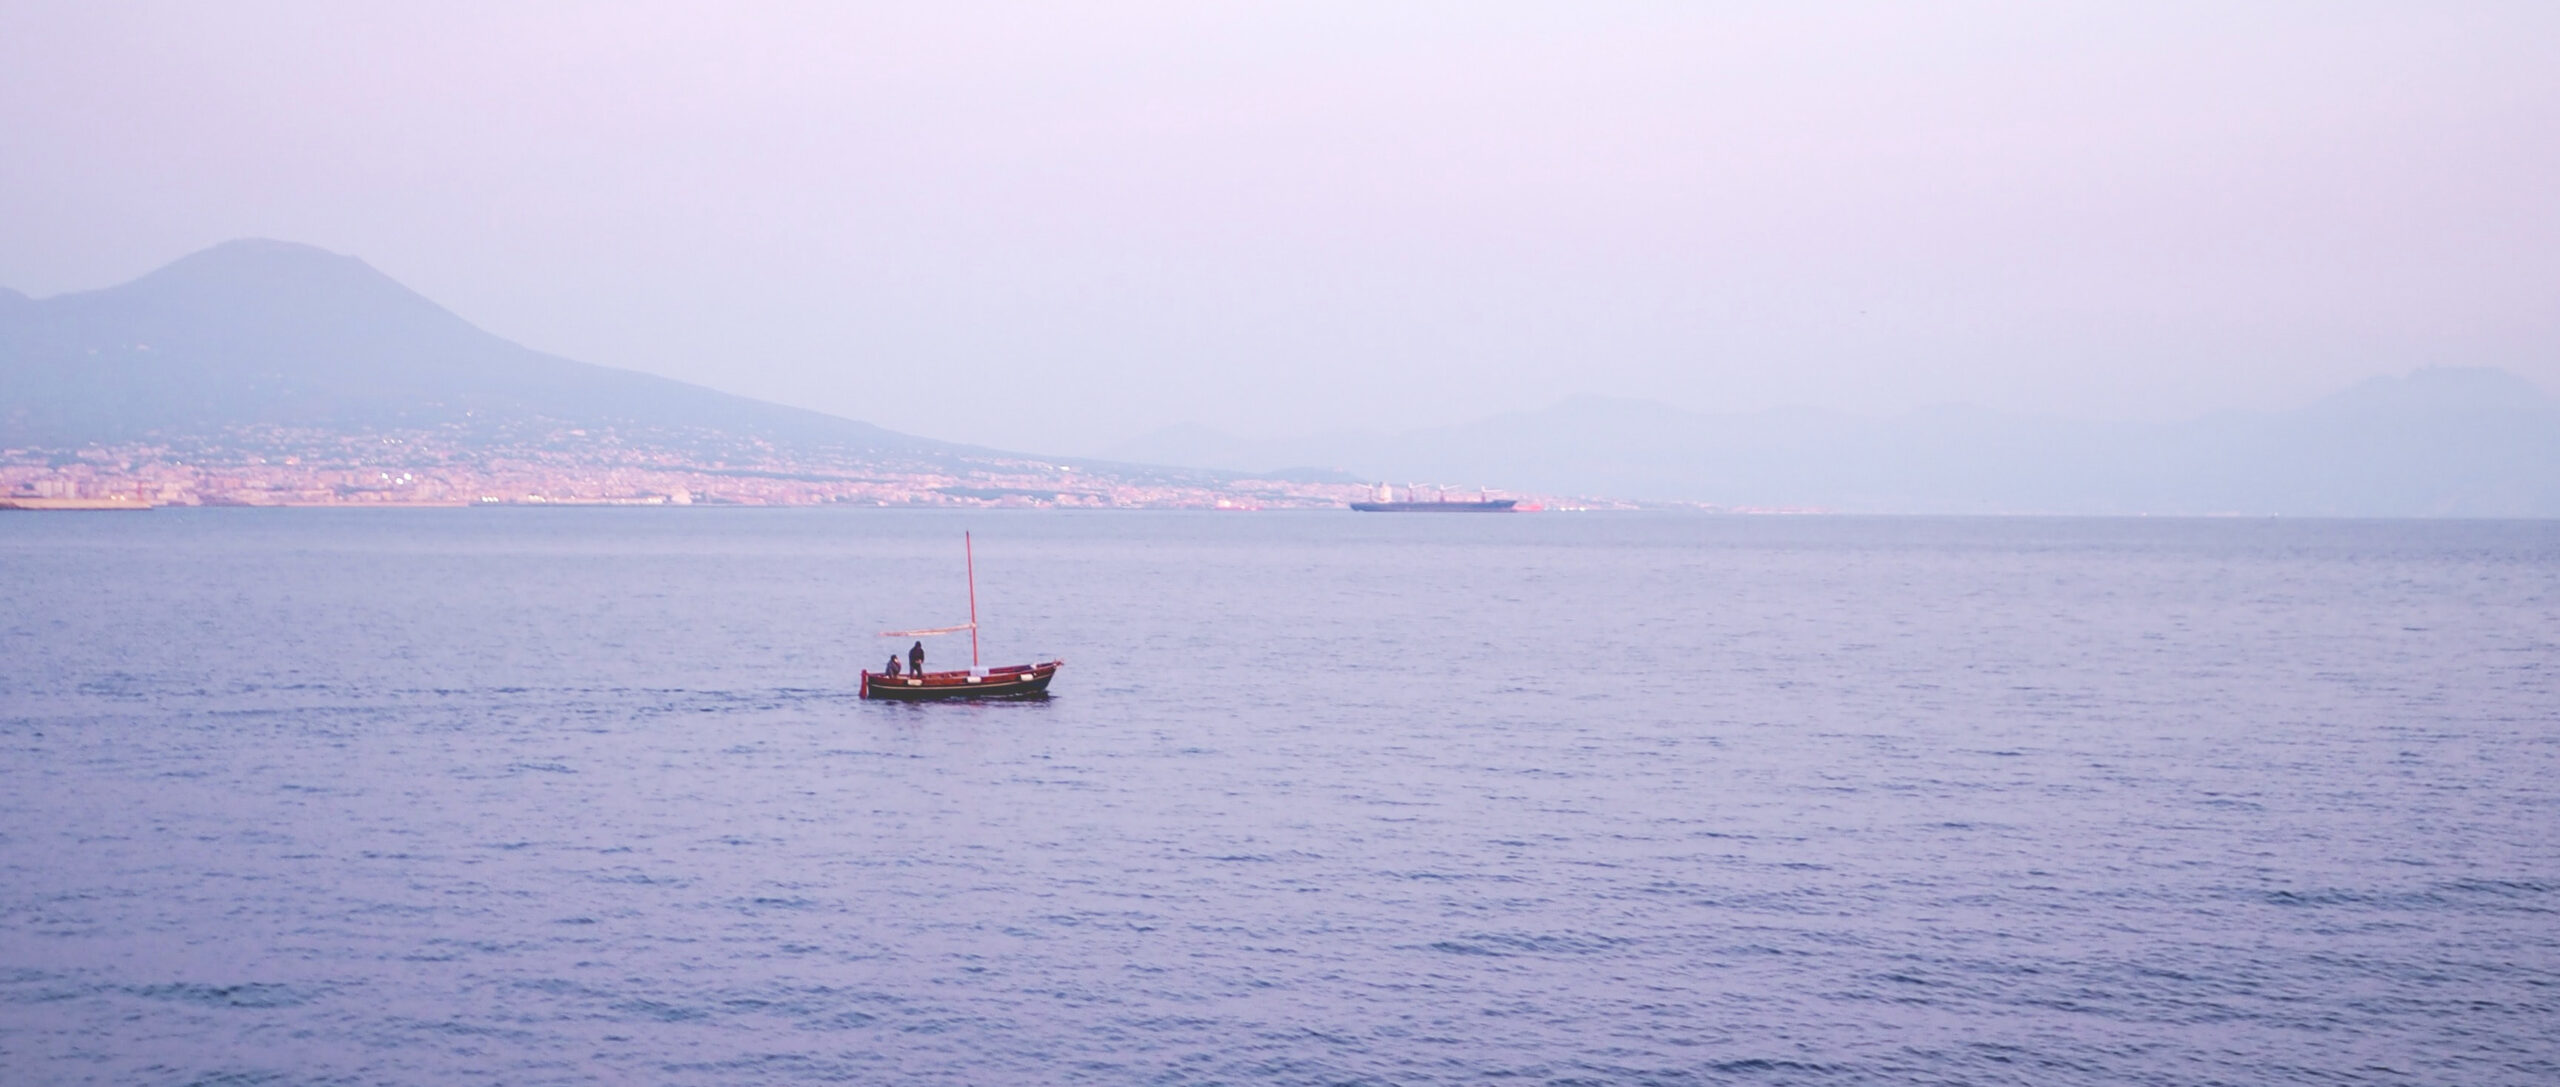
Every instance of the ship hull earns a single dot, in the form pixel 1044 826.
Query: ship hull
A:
pixel 1497 505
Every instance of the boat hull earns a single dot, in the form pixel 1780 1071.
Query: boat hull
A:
pixel 1497 505
pixel 1016 682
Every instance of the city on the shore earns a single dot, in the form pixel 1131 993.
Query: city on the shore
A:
pixel 274 466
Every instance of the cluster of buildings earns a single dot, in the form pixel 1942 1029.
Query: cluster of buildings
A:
pixel 283 468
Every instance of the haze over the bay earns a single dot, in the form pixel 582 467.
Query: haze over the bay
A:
pixel 1101 221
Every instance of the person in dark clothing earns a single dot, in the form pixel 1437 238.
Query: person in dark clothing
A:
pixel 893 665
pixel 915 658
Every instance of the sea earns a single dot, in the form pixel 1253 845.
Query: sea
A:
pixel 587 796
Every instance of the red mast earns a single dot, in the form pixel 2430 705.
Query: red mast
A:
pixel 970 551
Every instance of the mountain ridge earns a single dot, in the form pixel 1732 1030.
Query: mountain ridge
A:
pixel 256 332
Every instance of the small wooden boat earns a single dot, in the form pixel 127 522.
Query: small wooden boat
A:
pixel 1012 681
pixel 1016 681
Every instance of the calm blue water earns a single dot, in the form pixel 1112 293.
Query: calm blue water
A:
pixel 564 796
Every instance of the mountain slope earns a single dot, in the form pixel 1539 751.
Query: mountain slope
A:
pixel 252 333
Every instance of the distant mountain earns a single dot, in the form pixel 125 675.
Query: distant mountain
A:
pixel 267 333
pixel 2438 442
pixel 253 334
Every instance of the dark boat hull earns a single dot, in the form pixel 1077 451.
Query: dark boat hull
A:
pixel 1495 505
pixel 1018 681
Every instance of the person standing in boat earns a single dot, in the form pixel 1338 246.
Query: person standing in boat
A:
pixel 915 658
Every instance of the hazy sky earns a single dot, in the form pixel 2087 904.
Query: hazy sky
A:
pixel 1056 227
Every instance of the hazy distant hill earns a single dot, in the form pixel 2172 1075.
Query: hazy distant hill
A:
pixel 2439 442
pixel 262 333
pixel 273 333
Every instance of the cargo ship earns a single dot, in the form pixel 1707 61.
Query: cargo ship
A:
pixel 1386 502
